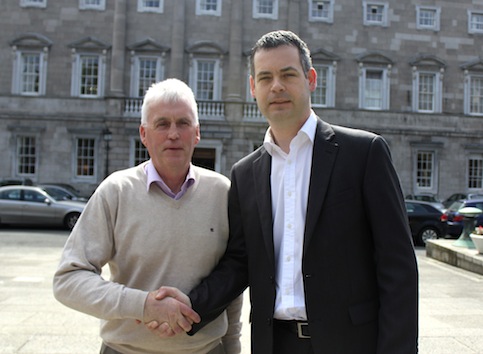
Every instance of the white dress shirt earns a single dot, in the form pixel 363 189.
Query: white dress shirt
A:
pixel 290 178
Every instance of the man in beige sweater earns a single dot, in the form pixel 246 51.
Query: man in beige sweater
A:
pixel 163 222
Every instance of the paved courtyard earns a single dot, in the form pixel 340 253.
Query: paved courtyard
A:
pixel 33 322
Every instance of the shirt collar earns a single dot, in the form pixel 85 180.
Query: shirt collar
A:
pixel 308 129
pixel 154 177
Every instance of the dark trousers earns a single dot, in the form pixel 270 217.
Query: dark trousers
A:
pixel 106 350
pixel 286 339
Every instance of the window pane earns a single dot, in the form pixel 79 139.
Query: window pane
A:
pixel 426 92
pixel 151 3
pixel 26 155
pixel 30 72
pixel 319 96
pixel 424 169
pixel 147 74
pixel 477 22
pixel 475 173
pixel 205 80
pixel 140 152
pixel 85 157
pixel 320 9
pixel 427 17
pixel 373 89
pixel 265 6
pixel 476 95
pixel 89 75
pixel 209 5
pixel 374 13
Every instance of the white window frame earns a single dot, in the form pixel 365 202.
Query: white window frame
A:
pixel 475 178
pixel 77 75
pixel 384 20
pixel 95 158
pixel 135 68
pixel 330 12
pixel 19 155
pixel 18 72
pixel 217 80
pixel 473 26
pixel 201 11
pixel 143 8
pixel 433 171
pixel 468 92
pixel 33 3
pixel 257 14
pixel 217 145
pixel 385 88
pixel 437 17
pixel 83 5
pixel 437 94
pixel 329 87
pixel 137 148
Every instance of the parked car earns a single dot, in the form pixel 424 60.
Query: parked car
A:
pixel 63 192
pixel 424 221
pixel 460 196
pixel 453 220
pixel 31 205
pixel 427 198
pixel 13 182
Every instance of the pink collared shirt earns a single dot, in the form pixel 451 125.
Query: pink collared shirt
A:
pixel 154 177
pixel 290 178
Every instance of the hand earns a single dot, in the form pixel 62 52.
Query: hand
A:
pixel 169 291
pixel 169 316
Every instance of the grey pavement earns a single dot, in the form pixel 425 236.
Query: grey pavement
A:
pixel 32 321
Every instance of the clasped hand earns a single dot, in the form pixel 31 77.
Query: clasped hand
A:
pixel 168 312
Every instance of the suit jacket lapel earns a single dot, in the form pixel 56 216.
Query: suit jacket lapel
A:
pixel 261 175
pixel 324 156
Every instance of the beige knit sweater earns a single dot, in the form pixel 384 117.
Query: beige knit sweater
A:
pixel 148 240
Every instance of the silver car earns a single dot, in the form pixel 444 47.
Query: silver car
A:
pixel 30 205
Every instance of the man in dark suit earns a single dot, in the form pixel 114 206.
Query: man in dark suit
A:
pixel 318 227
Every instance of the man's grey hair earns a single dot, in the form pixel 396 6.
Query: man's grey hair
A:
pixel 278 38
pixel 168 91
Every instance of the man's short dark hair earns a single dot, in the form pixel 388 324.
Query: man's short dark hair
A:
pixel 278 38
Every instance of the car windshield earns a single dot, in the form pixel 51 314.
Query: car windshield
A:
pixel 456 206
pixel 57 194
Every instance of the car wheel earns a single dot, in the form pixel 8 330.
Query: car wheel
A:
pixel 427 233
pixel 70 220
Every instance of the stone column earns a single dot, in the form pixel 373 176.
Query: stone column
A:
pixel 177 40
pixel 118 49
pixel 236 63
pixel 294 16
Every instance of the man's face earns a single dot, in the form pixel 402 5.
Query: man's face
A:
pixel 280 86
pixel 170 135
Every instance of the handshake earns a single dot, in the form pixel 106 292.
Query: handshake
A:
pixel 168 312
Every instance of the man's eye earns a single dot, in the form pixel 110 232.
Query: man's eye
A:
pixel 162 125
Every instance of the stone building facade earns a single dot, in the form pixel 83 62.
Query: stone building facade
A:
pixel 74 73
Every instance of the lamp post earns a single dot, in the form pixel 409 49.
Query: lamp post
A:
pixel 469 215
pixel 107 135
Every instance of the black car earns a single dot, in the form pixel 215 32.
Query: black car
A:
pixel 453 220
pixel 424 221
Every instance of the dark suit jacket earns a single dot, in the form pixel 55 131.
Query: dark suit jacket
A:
pixel 359 267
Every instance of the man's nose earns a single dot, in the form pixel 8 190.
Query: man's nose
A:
pixel 173 131
pixel 277 85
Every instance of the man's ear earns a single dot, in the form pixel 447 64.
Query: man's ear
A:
pixel 142 134
pixel 198 135
pixel 312 76
pixel 252 87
